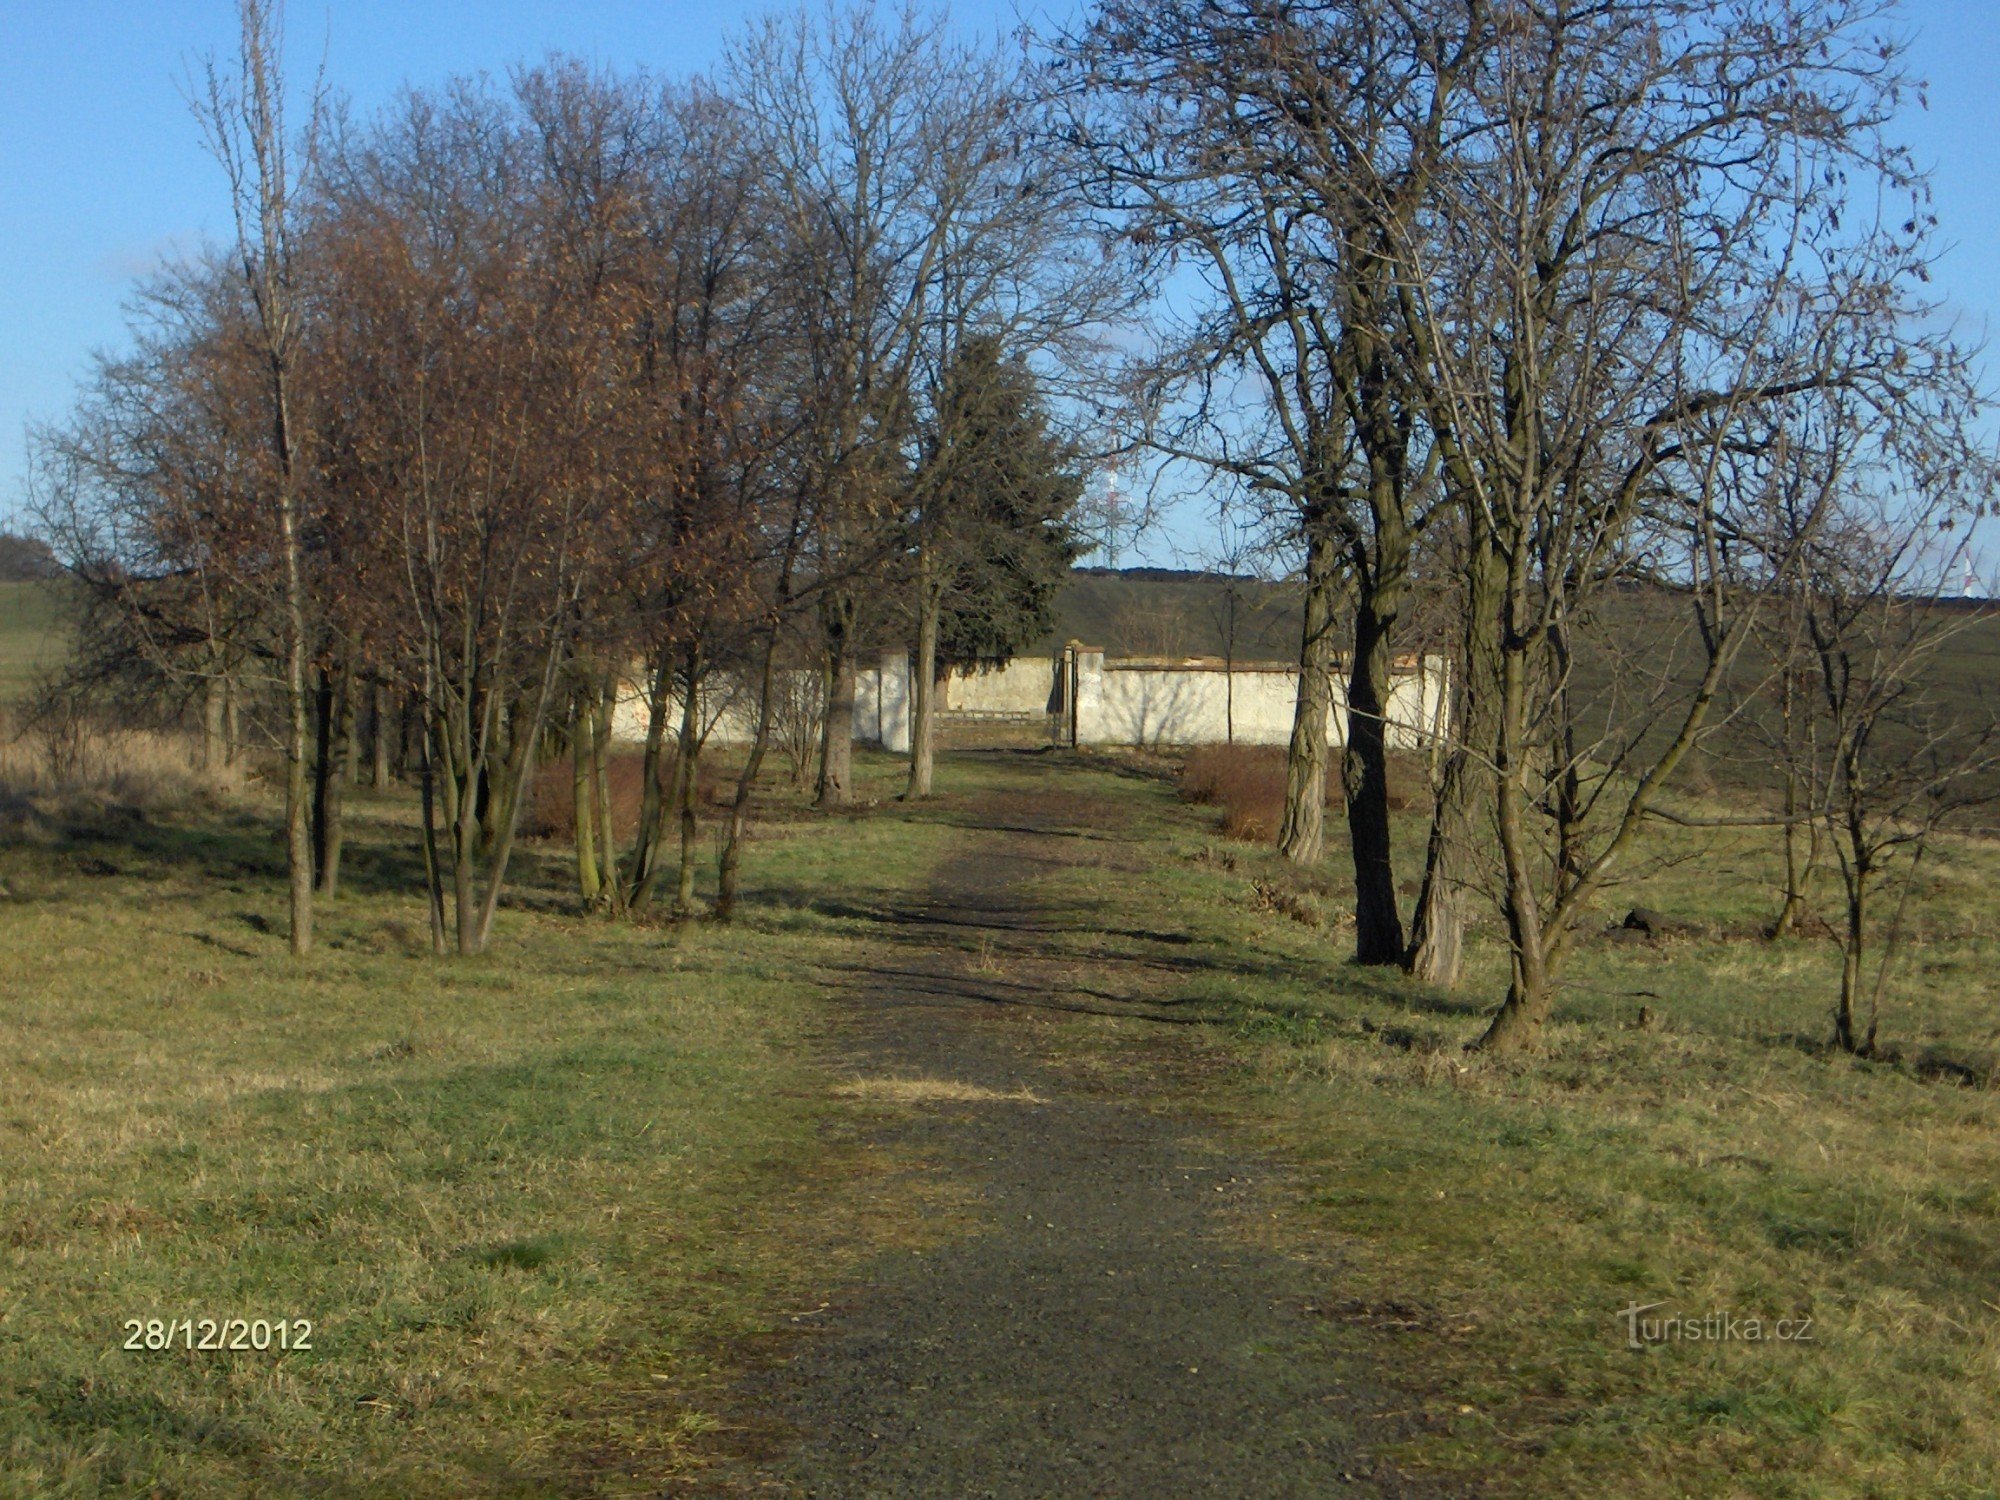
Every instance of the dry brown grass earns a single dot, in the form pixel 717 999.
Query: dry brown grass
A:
pixel 1247 783
pixel 47 767
pixel 932 1091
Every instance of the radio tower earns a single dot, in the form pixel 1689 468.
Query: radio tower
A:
pixel 1114 505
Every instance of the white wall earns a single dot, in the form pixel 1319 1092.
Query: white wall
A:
pixel 1141 701
pixel 1189 703
pixel 882 705
pixel 728 713
pixel 1023 686
pixel 1159 705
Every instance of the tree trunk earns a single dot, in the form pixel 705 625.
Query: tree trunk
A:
pixel 924 687
pixel 1798 870
pixel 1853 949
pixel 1518 1025
pixel 214 743
pixel 611 882
pixel 298 719
pixel 687 769
pixel 729 863
pixel 428 782
pixel 1437 933
pixel 655 801
pixel 378 733
pixel 584 816
pixel 836 757
pixel 836 763
pixel 1301 832
pixel 322 773
pixel 232 724
pixel 1851 955
pixel 1795 868
pixel 1378 925
pixel 332 771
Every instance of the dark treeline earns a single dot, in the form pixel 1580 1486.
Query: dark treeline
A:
pixel 1479 310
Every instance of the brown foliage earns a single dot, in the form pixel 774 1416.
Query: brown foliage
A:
pixel 1247 782
pixel 551 809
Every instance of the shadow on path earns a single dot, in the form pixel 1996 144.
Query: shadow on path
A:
pixel 1107 1329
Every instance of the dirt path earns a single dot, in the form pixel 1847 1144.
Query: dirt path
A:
pixel 1108 1329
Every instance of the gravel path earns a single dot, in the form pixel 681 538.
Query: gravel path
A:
pixel 1107 1329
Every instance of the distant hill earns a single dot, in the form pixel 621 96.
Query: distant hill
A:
pixel 33 634
pixel 1164 612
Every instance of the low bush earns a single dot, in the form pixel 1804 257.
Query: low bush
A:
pixel 71 760
pixel 1247 784
pixel 551 809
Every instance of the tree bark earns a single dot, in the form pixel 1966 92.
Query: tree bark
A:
pixel 687 769
pixel 836 756
pixel 1302 830
pixel 1437 933
pixel 332 770
pixel 730 862
pixel 1378 925
pixel 1518 1025
pixel 214 743
pixel 378 733
pixel 1852 951
pixel 611 882
pixel 232 724
pixel 584 815
pixel 655 803
pixel 924 689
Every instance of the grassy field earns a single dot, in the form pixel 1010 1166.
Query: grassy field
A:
pixel 523 1200
pixel 32 635
pixel 1487 1221
pixel 533 1203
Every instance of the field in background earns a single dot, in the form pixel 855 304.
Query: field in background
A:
pixel 33 637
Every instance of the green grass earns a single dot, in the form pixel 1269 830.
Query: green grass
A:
pixel 525 1199
pixel 33 635
pixel 534 1201
pixel 1484 1221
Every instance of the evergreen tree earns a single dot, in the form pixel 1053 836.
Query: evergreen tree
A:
pixel 1015 486
pixel 995 534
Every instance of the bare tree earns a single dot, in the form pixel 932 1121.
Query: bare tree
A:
pixel 1276 157
pixel 1883 755
pixel 478 328
pixel 906 215
pixel 242 116
pixel 1656 242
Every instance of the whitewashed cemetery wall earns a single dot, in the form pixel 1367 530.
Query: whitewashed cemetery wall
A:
pixel 1094 700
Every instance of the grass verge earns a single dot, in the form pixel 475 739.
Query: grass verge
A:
pixel 526 1201
pixel 1482 1224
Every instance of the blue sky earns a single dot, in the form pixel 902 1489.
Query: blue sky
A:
pixel 101 169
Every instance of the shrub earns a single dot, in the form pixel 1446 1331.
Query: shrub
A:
pixel 72 759
pixel 1247 782
pixel 551 809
